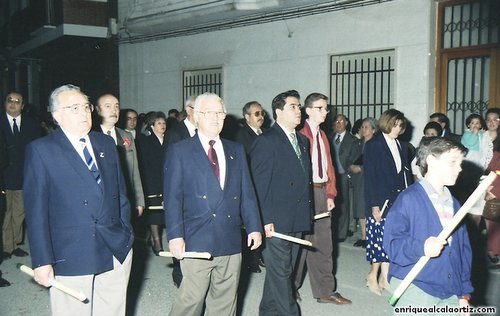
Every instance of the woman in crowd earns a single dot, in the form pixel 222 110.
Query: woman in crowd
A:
pixel 494 193
pixel 386 174
pixel 367 131
pixel 152 154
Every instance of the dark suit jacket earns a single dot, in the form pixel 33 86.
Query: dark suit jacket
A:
pixel 197 209
pixel 344 150
pixel 246 136
pixel 176 133
pixel 381 178
pixel 283 187
pixel 30 130
pixel 152 159
pixel 72 222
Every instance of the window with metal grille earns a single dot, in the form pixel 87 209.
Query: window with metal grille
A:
pixel 196 82
pixel 471 23
pixel 468 89
pixel 468 48
pixel 362 85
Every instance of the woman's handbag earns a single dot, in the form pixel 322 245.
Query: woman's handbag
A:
pixel 491 210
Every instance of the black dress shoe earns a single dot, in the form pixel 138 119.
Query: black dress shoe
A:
pixel 254 268
pixel 360 243
pixel 18 252
pixel 3 282
pixel 5 255
pixel 156 252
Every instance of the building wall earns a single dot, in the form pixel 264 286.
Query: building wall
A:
pixel 263 60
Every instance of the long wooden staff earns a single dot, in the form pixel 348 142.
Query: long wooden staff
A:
pixel 53 282
pixel 187 254
pixel 292 239
pixel 445 233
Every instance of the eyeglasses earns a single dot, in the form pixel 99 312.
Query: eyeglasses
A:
pixel 210 114
pixel 15 101
pixel 76 108
pixel 340 121
pixel 321 109
pixel 259 113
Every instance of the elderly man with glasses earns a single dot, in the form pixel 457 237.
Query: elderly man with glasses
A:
pixel 77 211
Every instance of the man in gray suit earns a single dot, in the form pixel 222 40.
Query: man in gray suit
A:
pixel 108 108
pixel 341 143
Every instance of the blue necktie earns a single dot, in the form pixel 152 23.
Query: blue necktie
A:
pixel 90 162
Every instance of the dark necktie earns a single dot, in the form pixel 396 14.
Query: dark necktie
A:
pixel 296 147
pixel 337 141
pixel 212 158
pixel 90 162
pixel 320 160
pixel 15 128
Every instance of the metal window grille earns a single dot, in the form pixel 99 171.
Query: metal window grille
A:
pixel 362 85
pixel 468 89
pixel 471 23
pixel 196 82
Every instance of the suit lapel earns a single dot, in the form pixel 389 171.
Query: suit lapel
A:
pixel 119 138
pixel 74 158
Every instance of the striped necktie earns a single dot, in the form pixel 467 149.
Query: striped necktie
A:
pixel 90 162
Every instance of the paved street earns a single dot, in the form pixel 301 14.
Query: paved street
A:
pixel 155 295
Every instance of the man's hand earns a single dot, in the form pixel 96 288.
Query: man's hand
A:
pixel 269 229
pixel 177 247
pixel 433 246
pixel 330 204
pixel 42 275
pixel 140 210
pixel 254 240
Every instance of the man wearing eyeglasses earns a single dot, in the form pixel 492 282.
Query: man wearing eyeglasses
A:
pixel 254 118
pixel 281 169
pixel 208 195
pixel 342 141
pixel 318 261
pixel 77 211
pixel 18 130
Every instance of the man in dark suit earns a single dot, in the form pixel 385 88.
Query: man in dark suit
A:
pixel 77 212
pixel 341 142
pixel 18 130
pixel 246 135
pixel 3 163
pixel 185 129
pixel 254 118
pixel 281 169
pixel 208 195
pixel 444 121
